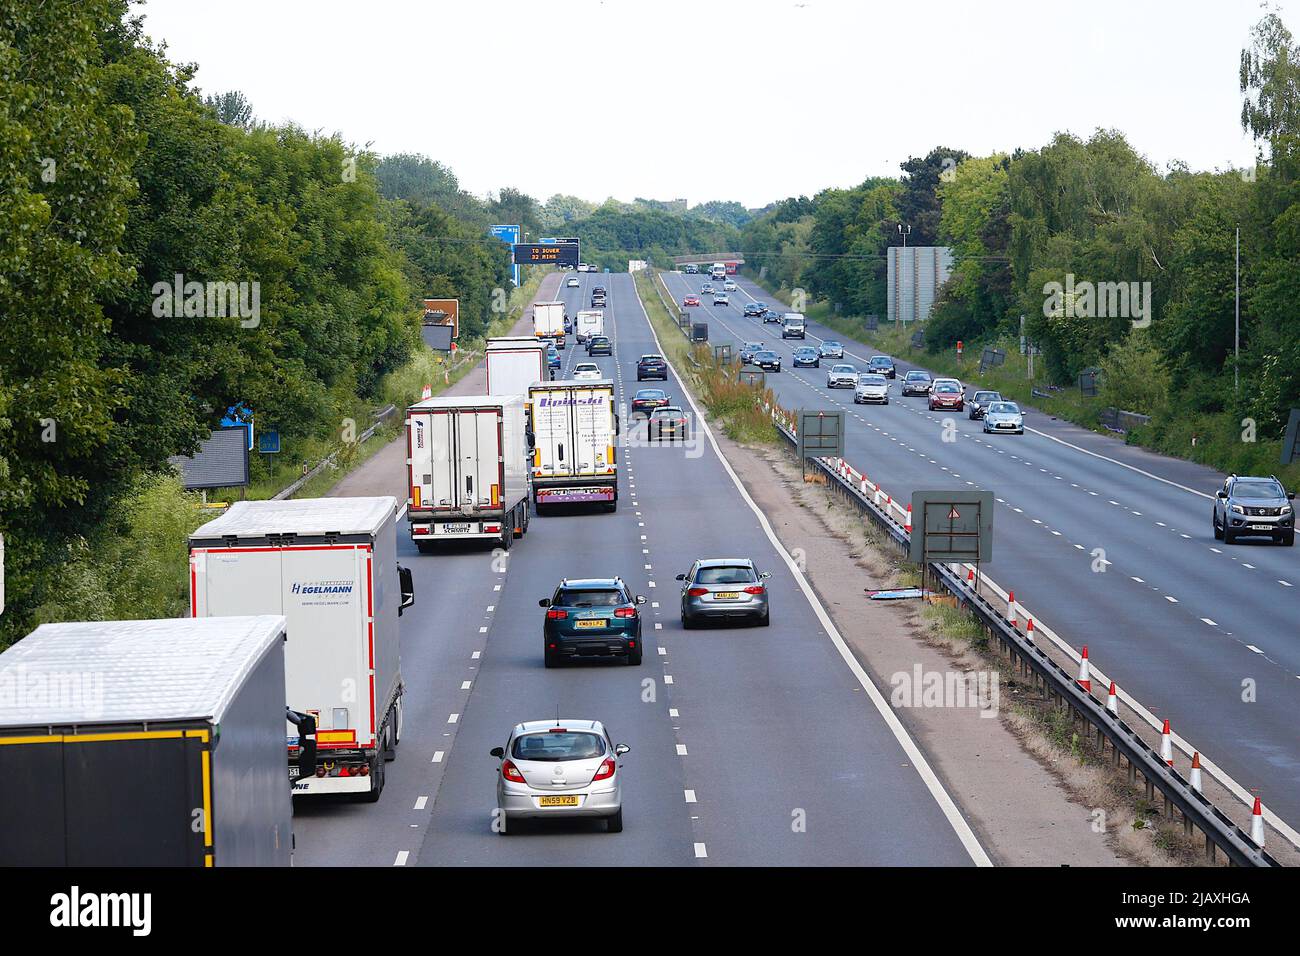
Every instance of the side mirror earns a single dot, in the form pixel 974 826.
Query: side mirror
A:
pixel 1290 496
pixel 764 575
pixel 640 599
pixel 407 588
pixel 497 752
pixel 1223 494
pixel 621 749
pixel 680 577
pixel 544 602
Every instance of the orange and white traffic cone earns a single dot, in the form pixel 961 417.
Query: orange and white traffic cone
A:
pixel 1257 824
pixel 908 526
pixel 1167 745
pixel 1196 771
pixel 1011 609
pixel 970 576
pixel 1112 701
pixel 1029 630
pixel 1084 680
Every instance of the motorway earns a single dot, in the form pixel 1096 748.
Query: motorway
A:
pixel 749 746
pixel 1204 634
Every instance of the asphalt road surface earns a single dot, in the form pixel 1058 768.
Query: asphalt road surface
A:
pixel 1204 634
pixel 749 745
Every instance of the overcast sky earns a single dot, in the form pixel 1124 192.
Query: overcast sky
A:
pixel 753 101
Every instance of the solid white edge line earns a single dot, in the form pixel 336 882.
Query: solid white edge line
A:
pixel 920 764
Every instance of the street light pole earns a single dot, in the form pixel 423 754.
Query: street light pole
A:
pixel 1236 330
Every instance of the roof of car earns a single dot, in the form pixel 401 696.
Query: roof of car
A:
pixel 535 726
pixel 918 373
pixel 581 583
pixel 725 562
pixel 652 356
pixel 882 358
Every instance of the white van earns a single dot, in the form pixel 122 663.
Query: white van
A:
pixel 719 271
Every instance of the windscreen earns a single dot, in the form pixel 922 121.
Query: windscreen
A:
pixel 550 746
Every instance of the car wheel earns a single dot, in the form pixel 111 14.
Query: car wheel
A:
pixel 886 402
pixel 614 824
pixel 766 620
pixel 1218 532
pixel 687 623
pixel 1288 539
pixel 634 657
pixel 549 658
pixel 1229 536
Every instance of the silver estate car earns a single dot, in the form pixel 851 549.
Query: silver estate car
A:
pixel 559 768
pixel 720 588
pixel 871 388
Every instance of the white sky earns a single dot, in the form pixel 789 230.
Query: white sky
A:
pixel 605 98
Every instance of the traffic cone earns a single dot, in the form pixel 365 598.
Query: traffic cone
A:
pixel 909 519
pixel 1257 824
pixel 427 393
pixel 1112 701
pixel 1011 607
pixel 1196 771
pixel 1029 630
pixel 1166 745
pixel 970 575
pixel 1084 681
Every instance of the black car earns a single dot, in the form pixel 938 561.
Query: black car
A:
pixel 770 316
pixel 807 357
pixel 755 309
pixel 767 360
pixel 651 366
pixel 646 400
pixel 882 365
pixel 599 345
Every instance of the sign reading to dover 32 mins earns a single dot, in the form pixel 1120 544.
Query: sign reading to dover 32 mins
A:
pixel 952 525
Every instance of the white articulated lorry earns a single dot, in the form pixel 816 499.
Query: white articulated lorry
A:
pixel 145 743
pixel 467 468
pixel 589 322
pixel 575 435
pixel 548 321
pixel 329 565
pixel 513 363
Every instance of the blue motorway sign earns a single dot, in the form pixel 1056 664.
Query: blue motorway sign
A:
pixel 240 416
pixel 268 443
pixel 510 234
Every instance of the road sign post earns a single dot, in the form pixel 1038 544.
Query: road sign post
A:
pixel 951 527
pixel 509 235
pixel 820 434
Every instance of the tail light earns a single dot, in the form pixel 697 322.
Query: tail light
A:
pixel 625 612
pixel 755 589
pixel 697 592
pixel 511 773
pixel 605 771
pixel 554 615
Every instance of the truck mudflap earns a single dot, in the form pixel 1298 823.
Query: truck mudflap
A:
pixel 576 495
pixel 313 786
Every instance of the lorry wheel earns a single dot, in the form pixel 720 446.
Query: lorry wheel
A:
pixel 376 782
pixel 517 521
pixel 424 547
pixel 507 534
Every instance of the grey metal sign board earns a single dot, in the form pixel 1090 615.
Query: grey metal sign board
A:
pixel 221 461
pixel 722 354
pixel 1291 440
pixel 437 337
pixel 918 339
pixel 820 434
pixel 754 377
pixel 952 525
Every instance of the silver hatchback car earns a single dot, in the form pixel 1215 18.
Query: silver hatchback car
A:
pixel 721 588
pixel 559 768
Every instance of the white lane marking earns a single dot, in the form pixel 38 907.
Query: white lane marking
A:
pixel 475 655
pixel 1171 599
pixel 663 651
pixel 690 796
pixel 672 712
pixel 668 678
pixel 402 856
pixel 420 803
pixel 1243 564
pixel 654 603
pixel 648 568
pixel 1146 474
pixel 700 852
pixel 919 763
pixel 651 584
pixel 1285 584
pixel 1252 647
pixel 453 718
pixel 466 684
pixel 1138 580
pixel 681 750
pixel 437 756
pixel 658 626
pixel 496 587
pixel 1209 622
pixel 482 630
pixel 491 608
